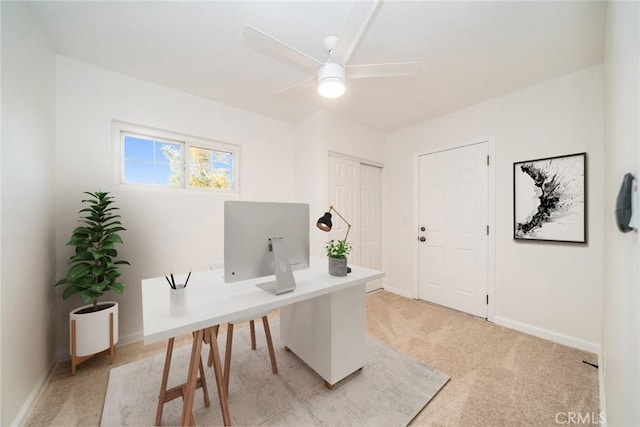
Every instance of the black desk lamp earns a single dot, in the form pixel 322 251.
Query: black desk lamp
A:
pixel 325 224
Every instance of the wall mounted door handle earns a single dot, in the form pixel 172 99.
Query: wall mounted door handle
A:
pixel 422 239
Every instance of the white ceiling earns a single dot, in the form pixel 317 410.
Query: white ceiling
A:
pixel 470 51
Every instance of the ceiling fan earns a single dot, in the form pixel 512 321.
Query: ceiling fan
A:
pixel 332 74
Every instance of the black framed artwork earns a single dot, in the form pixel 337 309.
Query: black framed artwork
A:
pixel 549 199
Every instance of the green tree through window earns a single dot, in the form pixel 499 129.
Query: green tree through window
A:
pixel 182 163
pixel 172 153
pixel 209 168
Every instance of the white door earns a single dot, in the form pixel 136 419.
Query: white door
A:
pixel 344 196
pixel 370 221
pixel 355 191
pixel 453 205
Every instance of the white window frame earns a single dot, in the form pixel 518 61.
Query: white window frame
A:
pixel 121 129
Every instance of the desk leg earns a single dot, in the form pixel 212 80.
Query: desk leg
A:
pixel 192 378
pixel 165 378
pixel 205 389
pixel 183 390
pixel 214 357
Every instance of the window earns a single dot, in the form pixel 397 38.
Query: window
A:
pixel 210 168
pixel 149 161
pixel 162 159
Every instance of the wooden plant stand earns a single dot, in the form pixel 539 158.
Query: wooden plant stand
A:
pixel 76 360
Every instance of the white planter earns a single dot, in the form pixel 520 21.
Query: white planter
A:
pixel 93 329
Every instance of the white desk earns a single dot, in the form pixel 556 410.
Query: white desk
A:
pixel 323 321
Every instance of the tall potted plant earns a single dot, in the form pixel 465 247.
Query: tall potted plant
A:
pixel 93 328
pixel 337 251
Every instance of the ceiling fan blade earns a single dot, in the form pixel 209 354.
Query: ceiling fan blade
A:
pixel 274 48
pixel 302 85
pixel 391 69
pixel 360 16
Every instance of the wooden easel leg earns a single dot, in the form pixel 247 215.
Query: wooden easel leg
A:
pixel 252 326
pixel 73 347
pixel 217 368
pixel 272 354
pixel 227 357
pixel 210 334
pixel 192 379
pixel 205 389
pixel 165 378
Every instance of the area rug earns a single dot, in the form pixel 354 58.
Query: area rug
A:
pixel 390 391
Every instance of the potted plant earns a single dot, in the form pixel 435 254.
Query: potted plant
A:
pixel 337 251
pixel 93 328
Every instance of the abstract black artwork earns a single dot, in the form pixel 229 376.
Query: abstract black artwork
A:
pixel 549 200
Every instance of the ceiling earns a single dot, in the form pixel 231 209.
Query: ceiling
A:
pixel 470 51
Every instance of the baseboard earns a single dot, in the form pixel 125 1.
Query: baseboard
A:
pixel 33 397
pixel 567 340
pixel 131 338
pixel 398 291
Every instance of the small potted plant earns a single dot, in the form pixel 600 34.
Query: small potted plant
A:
pixel 337 251
pixel 93 328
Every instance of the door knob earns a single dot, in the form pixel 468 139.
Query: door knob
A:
pixel 422 239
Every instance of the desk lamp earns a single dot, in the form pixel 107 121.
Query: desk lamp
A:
pixel 325 224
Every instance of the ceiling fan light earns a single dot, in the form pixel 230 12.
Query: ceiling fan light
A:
pixel 331 78
pixel 331 88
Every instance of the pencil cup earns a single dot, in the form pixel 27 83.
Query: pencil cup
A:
pixel 178 300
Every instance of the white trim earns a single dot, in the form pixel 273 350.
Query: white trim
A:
pixel 131 338
pixel 356 159
pixel 491 217
pixel 34 396
pixel 603 402
pixel 556 337
pixel 397 291
pixel 416 227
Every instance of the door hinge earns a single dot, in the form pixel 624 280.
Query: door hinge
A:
pixel 487 160
pixel 487 230
pixel 487 299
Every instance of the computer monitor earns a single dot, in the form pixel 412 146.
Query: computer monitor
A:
pixel 258 236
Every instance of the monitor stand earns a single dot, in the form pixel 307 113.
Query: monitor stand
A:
pixel 284 276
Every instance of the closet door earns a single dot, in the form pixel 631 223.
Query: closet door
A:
pixel 344 196
pixel 355 191
pixel 371 220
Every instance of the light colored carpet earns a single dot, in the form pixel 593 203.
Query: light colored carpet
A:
pixel 499 377
pixel 391 390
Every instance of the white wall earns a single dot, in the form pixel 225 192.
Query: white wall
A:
pixel 620 363
pixel 27 260
pixel 316 136
pixel 166 230
pixel 550 290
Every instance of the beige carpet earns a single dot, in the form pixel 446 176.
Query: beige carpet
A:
pixel 389 391
pixel 499 377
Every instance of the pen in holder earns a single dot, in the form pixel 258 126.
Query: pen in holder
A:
pixel 177 295
pixel 178 299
